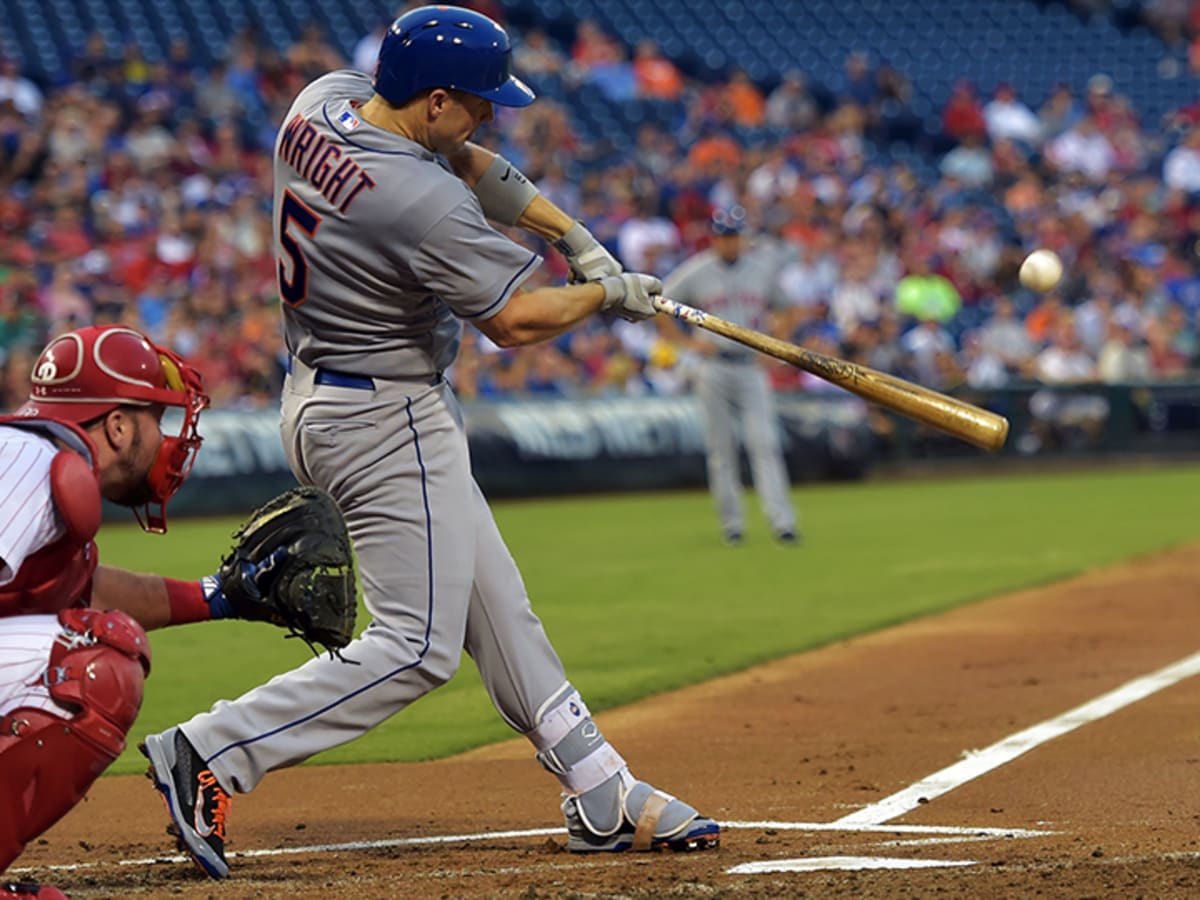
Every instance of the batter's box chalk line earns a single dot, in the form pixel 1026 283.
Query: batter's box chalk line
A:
pixel 949 833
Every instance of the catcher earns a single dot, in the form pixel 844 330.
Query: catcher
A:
pixel 73 648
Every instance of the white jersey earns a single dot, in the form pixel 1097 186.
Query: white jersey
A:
pixel 28 520
pixel 369 226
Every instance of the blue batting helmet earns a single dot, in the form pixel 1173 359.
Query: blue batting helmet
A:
pixel 448 47
pixel 729 221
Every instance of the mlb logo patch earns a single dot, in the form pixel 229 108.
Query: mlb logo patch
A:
pixel 348 120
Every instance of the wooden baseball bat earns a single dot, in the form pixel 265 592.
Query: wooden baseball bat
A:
pixel 969 423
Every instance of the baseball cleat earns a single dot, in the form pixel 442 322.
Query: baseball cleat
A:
pixel 645 819
pixel 732 538
pixel 195 801
pixel 23 890
pixel 788 538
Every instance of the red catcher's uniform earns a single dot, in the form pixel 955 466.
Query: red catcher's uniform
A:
pixel 70 678
pixel 57 575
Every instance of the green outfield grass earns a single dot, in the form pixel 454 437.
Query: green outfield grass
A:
pixel 639 596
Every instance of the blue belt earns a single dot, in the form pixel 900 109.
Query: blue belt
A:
pixel 333 378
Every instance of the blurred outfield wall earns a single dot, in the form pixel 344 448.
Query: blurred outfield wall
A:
pixel 534 447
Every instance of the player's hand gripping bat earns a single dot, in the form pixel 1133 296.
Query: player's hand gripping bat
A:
pixel 984 429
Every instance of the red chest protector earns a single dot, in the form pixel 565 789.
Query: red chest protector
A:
pixel 59 575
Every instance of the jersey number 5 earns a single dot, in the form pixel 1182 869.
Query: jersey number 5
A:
pixel 295 289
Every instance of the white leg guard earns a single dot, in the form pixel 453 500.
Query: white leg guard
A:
pixel 606 808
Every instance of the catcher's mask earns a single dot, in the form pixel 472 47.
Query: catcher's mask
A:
pixel 87 373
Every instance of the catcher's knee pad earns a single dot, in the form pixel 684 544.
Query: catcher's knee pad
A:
pixel 97 669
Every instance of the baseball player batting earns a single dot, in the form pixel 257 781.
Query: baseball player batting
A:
pixel 382 210
pixel 739 284
pixel 73 650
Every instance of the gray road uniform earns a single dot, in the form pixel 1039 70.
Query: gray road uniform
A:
pixel 733 388
pixel 383 253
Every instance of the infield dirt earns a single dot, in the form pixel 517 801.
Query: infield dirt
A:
pixel 808 739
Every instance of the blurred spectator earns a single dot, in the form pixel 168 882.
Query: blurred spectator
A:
pixel 312 55
pixel 592 47
pixel 1004 337
pixel 929 347
pixel 1059 112
pixel 1044 319
pixel 923 293
pixel 790 105
pixel 141 190
pixel 969 163
pixel 1181 166
pixel 615 77
pixel 657 77
pixel 1122 359
pixel 1064 419
pixel 858 82
pixel 963 114
pixel 745 100
pixel 1008 118
pixel 1082 148
pixel 983 368
pixel 536 57
pixel 648 241
pixel 15 88
pixel 366 49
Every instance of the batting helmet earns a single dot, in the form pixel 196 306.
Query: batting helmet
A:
pixel 729 221
pixel 448 47
pixel 84 374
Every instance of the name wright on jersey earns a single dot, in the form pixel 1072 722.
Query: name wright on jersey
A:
pixel 316 159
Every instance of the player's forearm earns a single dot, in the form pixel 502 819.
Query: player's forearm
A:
pixel 507 196
pixel 545 219
pixel 155 601
pixel 143 596
pixel 544 313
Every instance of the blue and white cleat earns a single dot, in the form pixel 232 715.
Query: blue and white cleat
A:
pixel 626 814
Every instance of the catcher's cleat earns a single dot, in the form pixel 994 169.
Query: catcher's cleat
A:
pixel 23 890
pixel 196 802
pixel 624 814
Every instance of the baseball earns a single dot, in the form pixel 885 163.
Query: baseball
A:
pixel 1041 270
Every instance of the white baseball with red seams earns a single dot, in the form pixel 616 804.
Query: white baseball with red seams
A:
pixel 1041 270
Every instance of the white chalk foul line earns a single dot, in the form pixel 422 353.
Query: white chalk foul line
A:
pixel 983 761
pixel 352 846
pixel 843 863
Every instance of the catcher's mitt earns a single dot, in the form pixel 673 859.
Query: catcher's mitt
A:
pixel 291 566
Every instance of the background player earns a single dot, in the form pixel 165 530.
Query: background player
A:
pixel 73 652
pixel 739 283
pixel 383 250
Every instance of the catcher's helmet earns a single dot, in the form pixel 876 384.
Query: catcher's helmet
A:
pixel 84 374
pixel 448 47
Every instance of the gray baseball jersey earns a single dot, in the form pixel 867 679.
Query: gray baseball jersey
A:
pixel 382 250
pixel 732 388
pixel 741 292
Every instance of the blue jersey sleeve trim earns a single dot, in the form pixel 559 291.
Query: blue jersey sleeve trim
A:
pixel 507 289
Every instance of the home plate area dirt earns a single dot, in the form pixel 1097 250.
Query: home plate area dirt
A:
pixel 820 766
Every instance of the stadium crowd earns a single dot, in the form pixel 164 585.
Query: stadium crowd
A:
pixel 138 190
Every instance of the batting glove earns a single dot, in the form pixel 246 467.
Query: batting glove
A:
pixel 630 295
pixel 588 258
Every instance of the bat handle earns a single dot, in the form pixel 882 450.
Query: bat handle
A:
pixel 679 310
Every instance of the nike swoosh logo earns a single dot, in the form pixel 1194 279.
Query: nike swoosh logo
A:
pixel 203 828
pixel 507 172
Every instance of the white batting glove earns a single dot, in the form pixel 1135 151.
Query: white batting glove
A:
pixel 588 258
pixel 629 295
